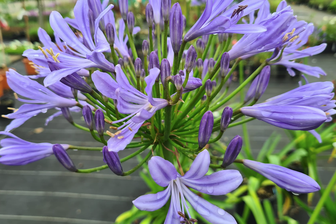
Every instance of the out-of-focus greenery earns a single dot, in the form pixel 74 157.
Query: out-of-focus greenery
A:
pixel 327 5
pixel 18 47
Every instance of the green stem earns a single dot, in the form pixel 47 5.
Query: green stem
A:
pixel 85 148
pixel 92 169
pixel 179 57
pixel 151 43
pixel 130 41
pixel 158 38
pixel 165 35
pixel 207 47
pixel 114 56
pixel 186 79
pixel 138 166
pixel 217 138
pixel 321 202
pixel 146 64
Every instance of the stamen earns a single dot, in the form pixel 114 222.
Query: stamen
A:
pixel 4 116
pixel 130 129
pixel 110 134
pixel 108 121
pixel 120 137
pixel 16 96
pixel 41 49
pixel 117 133
pixel 293 39
pixel 114 128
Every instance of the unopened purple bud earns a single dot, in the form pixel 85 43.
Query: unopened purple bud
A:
pixel 211 65
pixel 208 87
pixel 223 37
pixel 123 5
pixel 200 46
pixel 176 27
pixel 66 114
pixel 130 22
pixel 205 129
pixel 181 73
pixel 161 21
pixel 126 61
pixel 145 47
pixel 121 62
pixel 224 64
pixel 178 82
pixel 232 151
pixel 226 118
pixel 199 64
pixel 165 9
pixel 259 85
pixel 213 85
pixel 288 179
pixel 138 67
pixel 165 70
pixel 88 118
pixel 76 82
pixel 142 75
pixel 205 39
pixel 110 33
pixel 100 122
pixel 63 157
pixel 149 15
pixel 190 59
pixel 204 98
pixel 184 22
pixel 153 60
pixel 184 55
pixel 113 161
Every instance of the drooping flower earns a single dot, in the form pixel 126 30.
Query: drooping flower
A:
pixel 139 106
pixel 16 151
pixel 216 18
pixel 39 99
pixel 288 179
pixel 164 174
pixel 259 85
pixel 63 157
pixel 303 108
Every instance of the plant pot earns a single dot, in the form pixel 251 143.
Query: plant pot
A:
pixel 30 70
pixel 6 94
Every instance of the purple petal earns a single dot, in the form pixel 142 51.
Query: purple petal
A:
pixel 162 171
pixel 219 183
pixel 105 84
pixel 199 167
pixel 152 202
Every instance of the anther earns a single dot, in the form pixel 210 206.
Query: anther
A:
pixel 117 133
pixel 108 121
pixel 110 134
pixel 16 96
pixel 130 129
pixel 41 49
pixel 114 128
pixel 120 137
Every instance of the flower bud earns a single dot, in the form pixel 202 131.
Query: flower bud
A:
pixel 205 129
pixel 205 39
pixel 66 114
pixel 259 85
pixel 213 85
pixel 203 99
pixel 138 67
pixel 100 122
pixel 145 47
pixel 224 64
pixel 142 75
pixel 113 161
pixel 176 27
pixel 184 22
pixel 88 118
pixel 199 64
pixel 130 22
pixel 190 59
pixel 76 82
pixel 123 5
pixel 288 179
pixel 110 33
pixel 208 88
pixel 149 15
pixel 165 9
pixel 165 70
pixel 121 62
pixel 63 157
pixel 153 60
pixel 222 37
pixel 232 151
pixel 126 61
pixel 200 46
pixel 211 65
pixel 178 82
pixel 226 118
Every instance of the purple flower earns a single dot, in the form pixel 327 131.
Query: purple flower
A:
pixel 282 30
pixel 156 4
pixel 216 18
pixel 38 99
pixel 165 175
pixel 303 108
pixel 288 179
pixel 17 152
pixel 63 157
pixel 139 106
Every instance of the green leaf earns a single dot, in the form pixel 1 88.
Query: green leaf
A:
pixel 269 212
pixel 255 208
pixel 295 156
pixel 239 219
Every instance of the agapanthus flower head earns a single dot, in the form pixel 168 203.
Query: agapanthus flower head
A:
pixel 63 157
pixel 288 179
pixel 17 152
pixel 164 174
pixel 216 19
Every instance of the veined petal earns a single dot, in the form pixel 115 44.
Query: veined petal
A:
pixel 161 170
pixel 152 202
pixel 246 29
pixel 101 43
pixel 150 80
pixel 13 140
pixel 210 212
pixel 101 61
pixel 18 121
pixel 218 183
pixel 105 84
pixel 199 167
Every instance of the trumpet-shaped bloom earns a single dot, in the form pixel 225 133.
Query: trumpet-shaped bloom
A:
pixel 17 152
pixel 164 174
pixel 139 106
pixel 39 99
pixel 216 18
pixel 303 108
pixel 288 179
